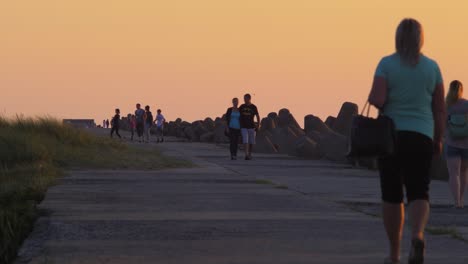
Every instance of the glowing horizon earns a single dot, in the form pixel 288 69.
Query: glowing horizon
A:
pixel 189 58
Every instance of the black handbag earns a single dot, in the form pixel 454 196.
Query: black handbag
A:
pixel 371 137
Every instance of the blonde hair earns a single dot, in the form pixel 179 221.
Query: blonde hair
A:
pixel 455 93
pixel 409 40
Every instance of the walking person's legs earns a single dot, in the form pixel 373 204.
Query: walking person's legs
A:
pixel 140 131
pixel 394 218
pixel 454 169
pixel 117 132
pixel 416 161
pixel 234 141
pixel 112 132
pixel 245 141
pixel 463 181
pixel 392 207
pixel 147 131
pixel 252 136
pixel 159 135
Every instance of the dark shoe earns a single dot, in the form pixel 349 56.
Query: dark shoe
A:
pixel 248 158
pixel 232 158
pixel 162 140
pixel 417 252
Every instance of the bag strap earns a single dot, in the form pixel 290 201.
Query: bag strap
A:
pixel 367 105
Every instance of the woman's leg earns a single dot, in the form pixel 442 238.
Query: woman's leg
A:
pixel 231 141
pixel 394 218
pixel 236 142
pixel 418 211
pixel 117 132
pixel 391 184
pixel 454 168
pixel 463 180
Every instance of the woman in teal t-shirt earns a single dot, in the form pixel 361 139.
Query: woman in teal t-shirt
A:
pixel 408 88
pixel 233 122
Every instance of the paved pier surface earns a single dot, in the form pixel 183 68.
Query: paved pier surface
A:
pixel 273 209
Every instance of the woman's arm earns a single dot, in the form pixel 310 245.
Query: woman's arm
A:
pixel 228 115
pixel 378 94
pixel 439 114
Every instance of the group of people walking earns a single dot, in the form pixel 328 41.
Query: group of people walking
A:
pixel 241 124
pixel 408 87
pixel 141 122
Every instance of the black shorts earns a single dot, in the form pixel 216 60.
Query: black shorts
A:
pixel 409 168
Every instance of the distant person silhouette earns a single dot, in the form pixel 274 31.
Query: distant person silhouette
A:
pixel 104 123
pixel 408 88
pixel 148 123
pixel 116 124
pixel 132 124
pixel 457 147
pixel 160 120
pixel 107 123
pixel 234 127
pixel 140 121
pixel 248 112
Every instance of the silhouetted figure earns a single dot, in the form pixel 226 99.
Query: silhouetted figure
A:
pixel 104 123
pixel 116 124
pixel 408 88
pixel 160 120
pixel 234 127
pixel 248 112
pixel 148 123
pixel 107 123
pixel 132 125
pixel 140 121
pixel 457 143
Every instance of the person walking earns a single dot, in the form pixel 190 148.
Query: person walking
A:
pixel 148 123
pixel 408 88
pixel 107 123
pixel 140 121
pixel 234 127
pixel 132 125
pixel 457 144
pixel 160 120
pixel 248 112
pixel 116 124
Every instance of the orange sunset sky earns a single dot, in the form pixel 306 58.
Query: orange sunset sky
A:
pixel 82 59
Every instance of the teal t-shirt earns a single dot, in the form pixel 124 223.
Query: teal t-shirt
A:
pixel 410 90
pixel 235 120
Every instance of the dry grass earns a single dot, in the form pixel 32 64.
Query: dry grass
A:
pixel 34 152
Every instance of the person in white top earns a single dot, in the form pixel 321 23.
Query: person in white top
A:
pixel 159 121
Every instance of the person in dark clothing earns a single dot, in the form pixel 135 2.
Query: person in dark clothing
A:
pixel 233 121
pixel 116 124
pixel 140 121
pixel 132 124
pixel 148 123
pixel 248 112
pixel 107 123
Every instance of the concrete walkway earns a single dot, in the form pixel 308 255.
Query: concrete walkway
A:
pixel 222 212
